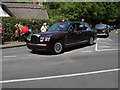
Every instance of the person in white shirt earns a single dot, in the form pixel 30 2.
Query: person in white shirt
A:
pixel 44 28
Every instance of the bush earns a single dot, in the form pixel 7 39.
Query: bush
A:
pixel 8 24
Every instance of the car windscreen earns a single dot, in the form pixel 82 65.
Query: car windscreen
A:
pixel 59 27
pixel 100 26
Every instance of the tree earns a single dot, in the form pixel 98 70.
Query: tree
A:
pixel 92 12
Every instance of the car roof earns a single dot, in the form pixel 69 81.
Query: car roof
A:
pixel 73 22
pixel 101 24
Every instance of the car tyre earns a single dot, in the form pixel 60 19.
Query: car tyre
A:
pixel 34 51
pixel 58 47
pixel 91 41
pixel 107 35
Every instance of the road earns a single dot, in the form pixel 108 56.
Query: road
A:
pixel 93 66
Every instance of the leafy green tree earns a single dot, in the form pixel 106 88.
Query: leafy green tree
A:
pixel 92 12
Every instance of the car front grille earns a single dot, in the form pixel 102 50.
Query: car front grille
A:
pixel 34 39
pixel 99 31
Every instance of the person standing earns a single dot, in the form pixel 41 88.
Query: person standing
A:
pixel 48 26
pixel 25 32
pixel 20 26
pixel 1 35
pixel 17 32
pixel 43 28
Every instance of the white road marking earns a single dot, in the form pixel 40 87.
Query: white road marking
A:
pixel 59 76
pixel 105 46
pixel 104 42
pixel 96 46
pixel 109 39
pixel 9 56
pixel 86 51
pixel 107 50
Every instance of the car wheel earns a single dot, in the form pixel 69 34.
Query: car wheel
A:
pixel 58 47
pixel 91 41
pixel 107 35
pixel 34 51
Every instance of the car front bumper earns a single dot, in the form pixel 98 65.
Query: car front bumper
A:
pixel 39 47
pixel 101 34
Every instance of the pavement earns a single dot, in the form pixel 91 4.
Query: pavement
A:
pixel 12 44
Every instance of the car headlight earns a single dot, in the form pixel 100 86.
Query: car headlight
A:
pixel 47 39
pixel 103 31
pixel 41 39
pixel 29 38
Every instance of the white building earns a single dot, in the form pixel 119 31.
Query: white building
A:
pixel 2 12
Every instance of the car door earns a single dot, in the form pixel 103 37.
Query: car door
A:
pixel 80 32
pixel 87 31
pixel 72 34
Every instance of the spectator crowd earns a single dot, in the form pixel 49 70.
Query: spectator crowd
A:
pixel 22 31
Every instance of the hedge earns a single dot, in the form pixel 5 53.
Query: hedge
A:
pixel 8 24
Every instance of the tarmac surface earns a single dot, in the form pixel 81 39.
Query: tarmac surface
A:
pixel 93 66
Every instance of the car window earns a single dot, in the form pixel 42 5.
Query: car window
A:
pixel 87 25
pixel 100 26
pixel 59 27
pixel 80 27
pixel 72 27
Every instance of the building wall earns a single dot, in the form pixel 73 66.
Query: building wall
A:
pixel 3 13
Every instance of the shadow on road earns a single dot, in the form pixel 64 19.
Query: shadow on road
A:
pixel 102 36
pixel 68 49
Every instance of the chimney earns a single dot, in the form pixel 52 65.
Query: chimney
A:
pixel 34 2
pixel 40 2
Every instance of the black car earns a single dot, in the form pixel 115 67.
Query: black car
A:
pixel 60 36
pixel 112 28
pixel 102 30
